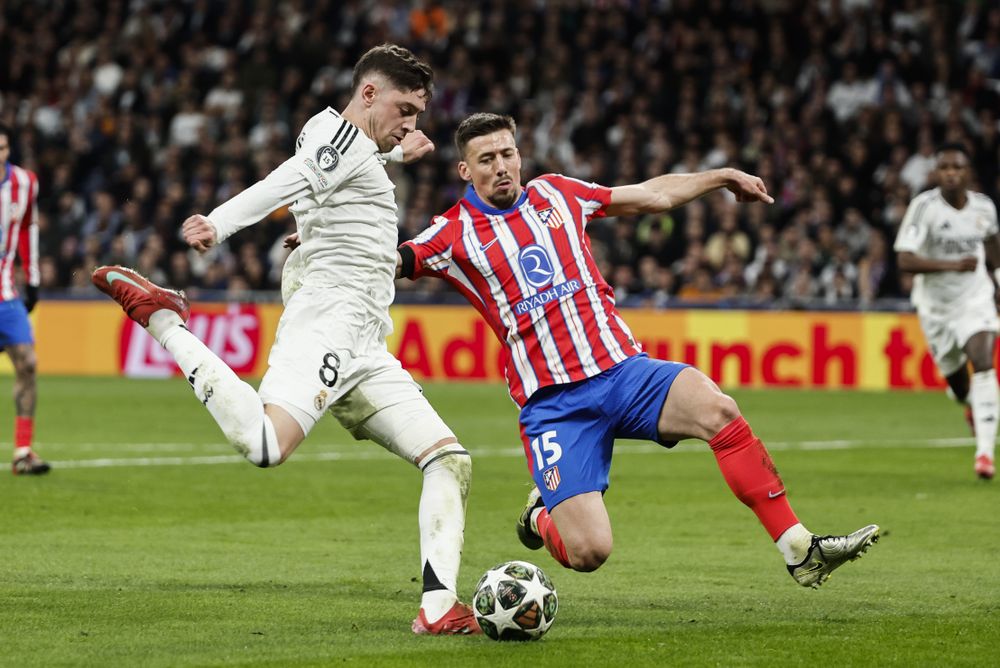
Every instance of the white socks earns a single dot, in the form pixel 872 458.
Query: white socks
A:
pixel 984 397
pixel 794 544
pixel 235 405
pixel 442 527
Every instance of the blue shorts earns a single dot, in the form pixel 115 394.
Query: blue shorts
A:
pixel 569 430
pixel 14 325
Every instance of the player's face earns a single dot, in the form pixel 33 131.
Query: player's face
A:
pixel 393 113
pixel 953 171
pixel 493 165
pixel 4 150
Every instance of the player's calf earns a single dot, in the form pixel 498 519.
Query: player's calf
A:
pixel 583 540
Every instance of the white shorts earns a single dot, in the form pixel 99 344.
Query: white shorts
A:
pixel 946 335
pixel 329 354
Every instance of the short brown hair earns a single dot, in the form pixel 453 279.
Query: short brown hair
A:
pixel 480 125
pixel 403 69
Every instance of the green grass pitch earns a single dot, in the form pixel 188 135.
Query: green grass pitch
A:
pixel 151 544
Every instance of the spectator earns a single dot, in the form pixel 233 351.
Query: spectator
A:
pixel 836 105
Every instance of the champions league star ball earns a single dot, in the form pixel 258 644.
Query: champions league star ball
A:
pixel 515 601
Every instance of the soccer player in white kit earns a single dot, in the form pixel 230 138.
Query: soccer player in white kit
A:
pixel 947 238
pixel 330 348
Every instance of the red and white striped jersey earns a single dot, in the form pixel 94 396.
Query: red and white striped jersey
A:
pixel 18 228
pixel 530 273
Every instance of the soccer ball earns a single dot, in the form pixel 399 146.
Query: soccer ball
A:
pixel 515 601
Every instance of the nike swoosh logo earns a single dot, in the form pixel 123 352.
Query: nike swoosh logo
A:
pixel 118 276
pixel 775 495
pixel 485 247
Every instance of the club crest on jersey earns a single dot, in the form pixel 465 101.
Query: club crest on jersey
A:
pixel 320 400
pixel 550 217
pixel 551 478
pixel 327 158
pixel 536 266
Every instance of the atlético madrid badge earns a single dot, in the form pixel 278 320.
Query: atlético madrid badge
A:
pixel 551 478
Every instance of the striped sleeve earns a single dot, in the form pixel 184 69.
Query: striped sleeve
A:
pixel 592 197
pixel 27 243
pixel 991 208
pixel 432 248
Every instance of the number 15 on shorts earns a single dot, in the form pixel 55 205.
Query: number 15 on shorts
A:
pixel 546 450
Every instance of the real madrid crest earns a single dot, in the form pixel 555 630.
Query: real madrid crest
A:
pixel 320 400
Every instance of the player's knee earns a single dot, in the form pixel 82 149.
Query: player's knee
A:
pixel 259 443
pixel 590 556
pixel 720 410
pixel 25 366
pixel 451 460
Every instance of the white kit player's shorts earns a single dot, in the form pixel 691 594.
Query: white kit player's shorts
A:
pixel 328 354
pixel 947 332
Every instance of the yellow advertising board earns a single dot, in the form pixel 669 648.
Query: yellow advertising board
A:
pixel 736 348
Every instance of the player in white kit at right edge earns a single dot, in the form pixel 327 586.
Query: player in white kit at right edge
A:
pixel 330 348
pixel 947 238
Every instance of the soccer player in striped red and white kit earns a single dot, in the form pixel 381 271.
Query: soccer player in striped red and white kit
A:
pixel 521 256
pixel 19 238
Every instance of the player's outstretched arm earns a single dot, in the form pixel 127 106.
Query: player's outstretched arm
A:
pixel 281 187
pixel 918 264
pixel 672 190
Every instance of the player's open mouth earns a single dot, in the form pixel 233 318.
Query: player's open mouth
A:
pixel 506 183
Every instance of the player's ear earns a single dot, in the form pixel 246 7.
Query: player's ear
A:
pixel 463 171
pixel 368 92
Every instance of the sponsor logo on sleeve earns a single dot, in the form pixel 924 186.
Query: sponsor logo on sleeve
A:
pixel 320 176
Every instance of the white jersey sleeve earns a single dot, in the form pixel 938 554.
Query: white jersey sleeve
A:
pixel 914 228
pixel 323 152
pixel 991 218
pixel 281 187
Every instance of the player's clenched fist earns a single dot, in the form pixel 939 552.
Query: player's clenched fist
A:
pixel 199 233
pixel 415 146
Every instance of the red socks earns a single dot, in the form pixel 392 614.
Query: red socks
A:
pixel 553 541
pixel 747 468
pixel 23 431
pixel 750 473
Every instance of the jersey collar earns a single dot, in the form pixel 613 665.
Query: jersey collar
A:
pixel 470 194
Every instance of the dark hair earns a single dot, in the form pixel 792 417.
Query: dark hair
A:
pixel 954 146
pixel 398 65
pixel 4 130
pixel 480 125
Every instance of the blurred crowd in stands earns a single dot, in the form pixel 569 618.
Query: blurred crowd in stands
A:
pixel 137 113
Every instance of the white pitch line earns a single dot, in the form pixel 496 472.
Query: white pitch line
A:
pixel 362 454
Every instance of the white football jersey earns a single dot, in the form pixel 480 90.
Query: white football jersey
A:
pixel 347 221
pixel 934 229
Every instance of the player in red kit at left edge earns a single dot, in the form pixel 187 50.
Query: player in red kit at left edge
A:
pixel 19 236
